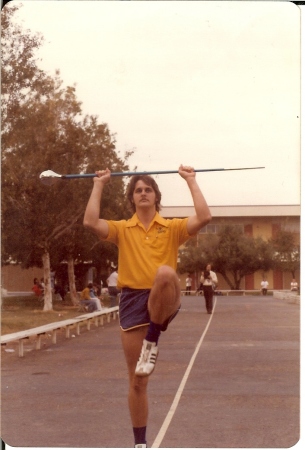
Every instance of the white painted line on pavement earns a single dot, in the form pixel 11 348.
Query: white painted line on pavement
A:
pixel 179 392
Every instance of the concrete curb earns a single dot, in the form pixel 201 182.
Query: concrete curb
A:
pixel 290 297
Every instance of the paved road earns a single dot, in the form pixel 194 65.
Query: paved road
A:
pixel 241 391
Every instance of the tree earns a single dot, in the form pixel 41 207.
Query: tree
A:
pixel 45 129
pixel 39 219
pixel 237 255
pixel 193 257
pixel 190 257
pixel 233 254
pixel 20 75
pixel 286 252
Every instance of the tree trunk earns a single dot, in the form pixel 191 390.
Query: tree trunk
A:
pixel 237 280
pixel 237 284
pixel 227 279
pixel 72 287
pixel 48 306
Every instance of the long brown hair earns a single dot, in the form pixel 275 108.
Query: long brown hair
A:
pixel 147 179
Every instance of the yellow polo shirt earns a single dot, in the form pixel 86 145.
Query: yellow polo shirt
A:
pixel 85 294
pixel 142 251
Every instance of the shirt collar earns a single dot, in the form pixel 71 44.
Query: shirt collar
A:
pixel 134 221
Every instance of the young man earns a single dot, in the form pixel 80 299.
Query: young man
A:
pixel 150 289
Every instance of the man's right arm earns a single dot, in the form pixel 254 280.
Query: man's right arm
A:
pixel 92 219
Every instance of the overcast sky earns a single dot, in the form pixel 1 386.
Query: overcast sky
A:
pixel 208 84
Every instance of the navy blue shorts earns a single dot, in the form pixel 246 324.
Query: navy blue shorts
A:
pixel 133 310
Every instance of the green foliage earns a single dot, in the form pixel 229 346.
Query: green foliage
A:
pixel 194 257
pixel 286 252
pixel 43 128
pixel 232 253
pixel 236 255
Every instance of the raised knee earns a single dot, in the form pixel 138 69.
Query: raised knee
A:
pixel 165 274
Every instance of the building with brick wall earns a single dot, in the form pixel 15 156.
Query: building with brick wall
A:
pixel 263 221
pixel 257 221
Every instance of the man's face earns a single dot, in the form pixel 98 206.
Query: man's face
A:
pixel 144 196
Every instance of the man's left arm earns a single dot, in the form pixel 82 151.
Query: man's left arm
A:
pixel 202 212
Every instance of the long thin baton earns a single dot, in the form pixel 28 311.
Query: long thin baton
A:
pixel 49 177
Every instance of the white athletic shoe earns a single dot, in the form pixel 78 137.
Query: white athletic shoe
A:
pixel 147 360
pixel 140 446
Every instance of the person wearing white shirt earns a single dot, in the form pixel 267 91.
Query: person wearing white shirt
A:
pixel 294 285
pixel 112 282
pixel 188 285
pixel 264 286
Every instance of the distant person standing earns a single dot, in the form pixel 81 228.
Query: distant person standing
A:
pixel 294 285
pixel 112 283
pixel 188 285
pixel 264 286
pixel 210 282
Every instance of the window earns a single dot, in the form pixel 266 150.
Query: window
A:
pixel 292 227
pixel 215 228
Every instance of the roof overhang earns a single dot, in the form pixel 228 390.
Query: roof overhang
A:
pixel 236 211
